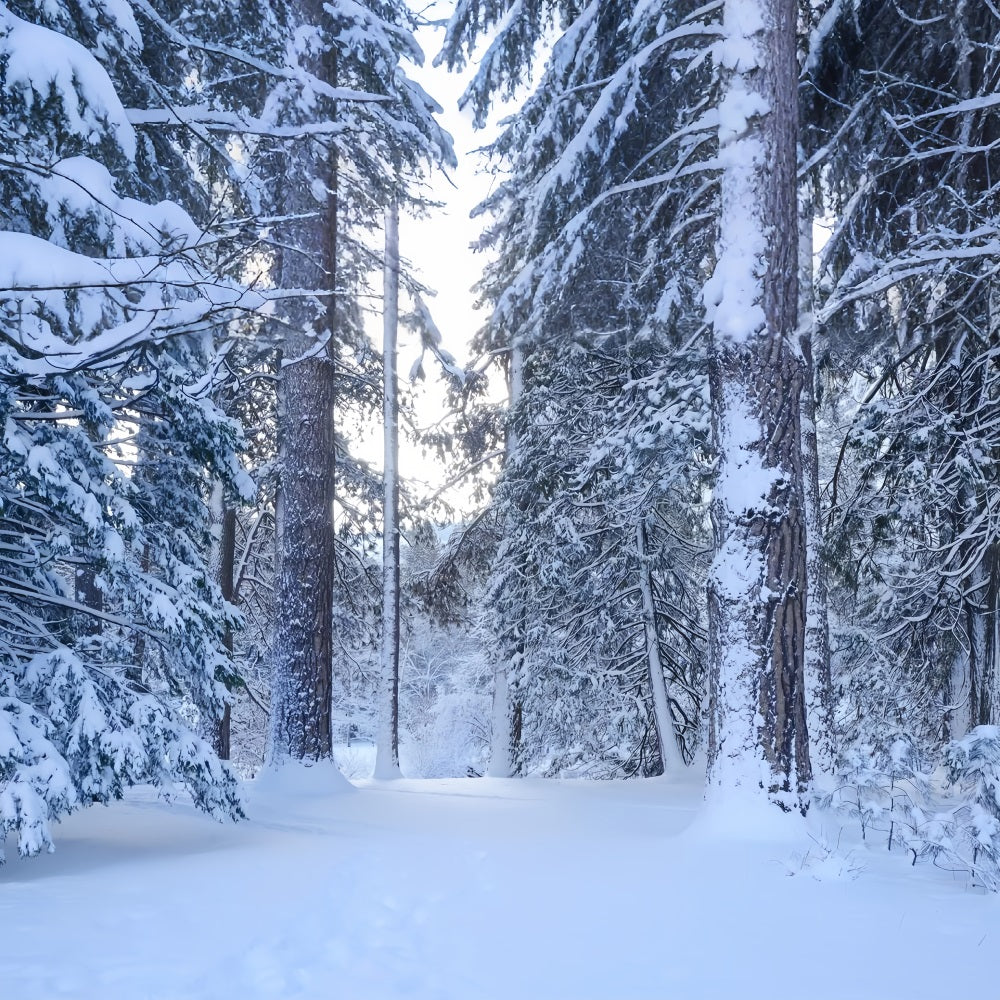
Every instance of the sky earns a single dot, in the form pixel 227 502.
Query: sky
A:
pixel 439 245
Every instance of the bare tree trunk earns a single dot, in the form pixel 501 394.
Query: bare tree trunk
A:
pixel 501 756
pixel 666 726
pixel 387 739
pixel 227 563
pixel 303 640
pixel 988 713
pixel 302 650
pixel 507 716
pixel 757 588
pixel 818 680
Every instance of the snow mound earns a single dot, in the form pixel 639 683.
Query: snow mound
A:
pixel 295 785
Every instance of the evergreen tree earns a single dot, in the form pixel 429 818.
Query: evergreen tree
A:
pixel 758 587
pixel 112 626
pixel 600 233
pixel 903 135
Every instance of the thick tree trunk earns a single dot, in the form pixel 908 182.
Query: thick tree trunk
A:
pixel 387 739
pixel 666 727
pixel 757 588
pixel 302 651
pixel 303 640
pixel 987 702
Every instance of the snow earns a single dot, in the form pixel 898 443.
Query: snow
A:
pixel 739 48
pixel 476 889
pixel 40 63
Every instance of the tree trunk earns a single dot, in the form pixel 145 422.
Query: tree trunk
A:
pixel 303 639
pixel 757 588
pixel 304 545
pixel 387 739
pixel 507 715
pixel 666 728
pixel 227 562
pixel 818 680
pixel 501 741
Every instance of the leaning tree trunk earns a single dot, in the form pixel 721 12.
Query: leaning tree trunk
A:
pixel 387 738
pixel 757 587
pixel 302 652
pixel 671 759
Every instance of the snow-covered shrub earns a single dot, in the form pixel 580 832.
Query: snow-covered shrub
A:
pixel 444 704
pixel 885 787
pixel 72 734
pixel 973 767
pixel 890 790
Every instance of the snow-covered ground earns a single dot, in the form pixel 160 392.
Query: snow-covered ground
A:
pixel 474 889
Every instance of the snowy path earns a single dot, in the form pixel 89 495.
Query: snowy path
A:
pixel 471 890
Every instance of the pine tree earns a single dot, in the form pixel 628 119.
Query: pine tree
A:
pixel 600 233
pixel 112 625
pixel 907 157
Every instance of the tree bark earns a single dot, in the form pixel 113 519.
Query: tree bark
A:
pixel 304 546
pixel 387 740
pixel 303 639
pixel 758 737
pixel 227 561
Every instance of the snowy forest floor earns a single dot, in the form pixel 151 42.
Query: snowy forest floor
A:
pixel 474 889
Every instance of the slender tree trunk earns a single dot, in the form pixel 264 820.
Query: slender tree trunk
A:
pixel 227 564
pixel 387 740
pixel 757 588
pixel 501 757
pixel 507 713
pixel 666 726
pixel 135 672
pixel 818 680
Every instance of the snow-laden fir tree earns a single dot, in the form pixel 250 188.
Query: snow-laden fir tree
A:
pixel 903 145
pixel 600 228
pixel 112 625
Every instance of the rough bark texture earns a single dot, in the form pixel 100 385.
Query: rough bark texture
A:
pixel 303 641
pixel 984 696
pixel 303 628
pixel 757 590
pixel 387 739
